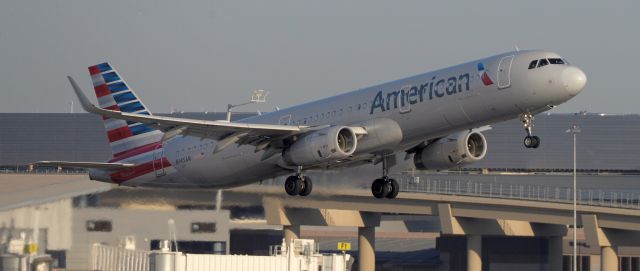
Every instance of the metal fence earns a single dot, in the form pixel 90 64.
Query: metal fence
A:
pixel 108 258
pixel 594 197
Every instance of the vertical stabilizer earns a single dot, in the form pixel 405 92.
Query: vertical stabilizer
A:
pixel 125 137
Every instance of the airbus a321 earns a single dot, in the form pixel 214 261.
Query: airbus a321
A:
pixel 434 117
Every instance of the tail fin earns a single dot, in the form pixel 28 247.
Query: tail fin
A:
pixel 125 137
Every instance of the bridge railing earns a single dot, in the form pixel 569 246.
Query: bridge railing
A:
pixel 545 193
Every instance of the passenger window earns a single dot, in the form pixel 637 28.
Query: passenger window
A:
pixel 543 62
pixel 556 61
pixel 533 64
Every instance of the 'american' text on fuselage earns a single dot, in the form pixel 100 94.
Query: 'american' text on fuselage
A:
pixel 414 94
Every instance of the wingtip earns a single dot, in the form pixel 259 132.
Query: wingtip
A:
pixel 84 101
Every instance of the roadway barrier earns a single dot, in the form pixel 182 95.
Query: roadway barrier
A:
pixel 593 197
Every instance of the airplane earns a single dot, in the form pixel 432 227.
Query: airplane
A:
pixel 435 118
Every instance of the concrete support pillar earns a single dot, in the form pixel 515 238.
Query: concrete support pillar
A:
pixel 608 259
pixel 367 248
pixel 291 232
pixel 474 252
pixel 554 258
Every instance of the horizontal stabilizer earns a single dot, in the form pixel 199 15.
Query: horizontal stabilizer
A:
pixel 106 166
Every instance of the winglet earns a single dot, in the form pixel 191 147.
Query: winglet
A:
pixel 86 104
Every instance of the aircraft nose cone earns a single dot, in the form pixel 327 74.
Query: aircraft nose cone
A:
pixel 573 80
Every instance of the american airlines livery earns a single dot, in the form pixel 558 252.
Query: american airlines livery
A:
pixel 436 118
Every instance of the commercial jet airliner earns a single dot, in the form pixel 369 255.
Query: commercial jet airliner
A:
pixel 435 118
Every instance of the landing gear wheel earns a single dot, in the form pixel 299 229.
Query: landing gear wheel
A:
pixel 293 185
pixel 394 188
pixel 535 142
pixel 380 188
pixel 528 141
pixel 532 142
pixel 307 186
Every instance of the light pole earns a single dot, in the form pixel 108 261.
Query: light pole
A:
pixel 257 96
pixel 574 130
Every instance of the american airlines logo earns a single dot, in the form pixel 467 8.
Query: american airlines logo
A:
pixel 418 94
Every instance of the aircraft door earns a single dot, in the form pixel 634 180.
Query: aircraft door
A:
pixel 158 158
pixel 504 72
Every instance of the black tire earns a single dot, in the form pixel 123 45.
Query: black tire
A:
pixel 528 141
pixel 307 186
pixel 293 185
pixel 379 188
pixel 394 188
pixel 535 142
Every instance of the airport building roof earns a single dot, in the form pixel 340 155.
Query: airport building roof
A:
pixel 22 190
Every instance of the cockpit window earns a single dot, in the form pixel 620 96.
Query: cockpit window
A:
pixel 556 61
pixel 533 64
pixel 543 62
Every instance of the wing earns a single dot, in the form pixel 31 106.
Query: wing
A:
pixel 227 133
pixel 107 166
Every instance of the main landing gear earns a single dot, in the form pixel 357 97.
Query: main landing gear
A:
pixel 529 140
pixel 298 184
pixel 385 187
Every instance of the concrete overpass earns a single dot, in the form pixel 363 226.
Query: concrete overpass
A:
pixel 607 223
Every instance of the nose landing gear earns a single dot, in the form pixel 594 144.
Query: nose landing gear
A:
pixel 529 140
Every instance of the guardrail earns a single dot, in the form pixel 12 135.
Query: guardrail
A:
pixel 105 257
pixel 593 197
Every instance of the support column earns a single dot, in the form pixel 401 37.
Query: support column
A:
pixel 474 252
pixel 291 232
pixel 554 250
pixel 635 264
pixel 608 259
pixel 367 248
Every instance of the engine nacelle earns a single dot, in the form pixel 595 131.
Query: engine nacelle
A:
pixel 325 145
pixel 452 151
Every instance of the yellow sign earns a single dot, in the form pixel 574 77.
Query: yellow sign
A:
pixel 344 246
pixel 32 248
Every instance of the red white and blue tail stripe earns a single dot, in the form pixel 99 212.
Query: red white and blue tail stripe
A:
pixel 133 142
pixel 113 93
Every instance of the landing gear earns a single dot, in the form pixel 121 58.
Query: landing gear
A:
pixel 307 186
pixel 293 185
pixel 298 185
pixel 530 141
pixel 385 187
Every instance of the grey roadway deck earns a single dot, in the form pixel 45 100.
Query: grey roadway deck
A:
pixel 469 207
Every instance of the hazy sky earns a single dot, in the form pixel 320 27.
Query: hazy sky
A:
pixel 200 55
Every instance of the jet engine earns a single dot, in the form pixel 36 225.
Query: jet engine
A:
pixel 325 145
pixel 452 151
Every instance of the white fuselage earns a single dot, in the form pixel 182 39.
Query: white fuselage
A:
pixel 425 107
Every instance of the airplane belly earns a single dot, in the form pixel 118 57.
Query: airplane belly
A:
pixel 233 166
